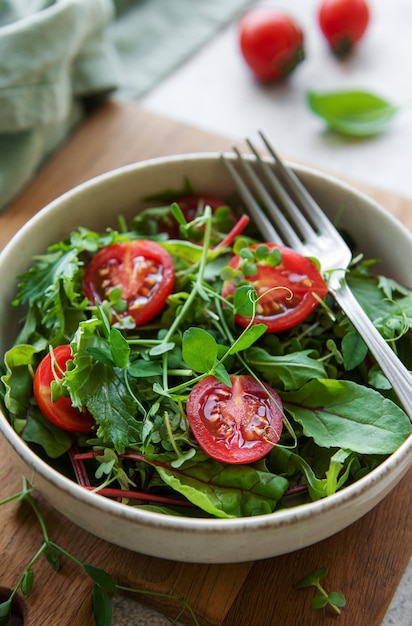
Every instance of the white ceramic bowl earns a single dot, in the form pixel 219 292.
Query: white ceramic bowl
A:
pixel 96 204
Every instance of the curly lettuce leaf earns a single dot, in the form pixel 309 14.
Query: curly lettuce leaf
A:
pixel 101 387
pixel 18 379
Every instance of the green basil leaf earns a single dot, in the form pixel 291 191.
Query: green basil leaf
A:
pixel 355 113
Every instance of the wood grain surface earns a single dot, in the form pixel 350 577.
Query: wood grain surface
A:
pixel 365 561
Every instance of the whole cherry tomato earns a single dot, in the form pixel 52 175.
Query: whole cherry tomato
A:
pixel 343 23
pixel 141 269
pixel 271 43
pixel 287 292
pixel 237 424
pixel 59 412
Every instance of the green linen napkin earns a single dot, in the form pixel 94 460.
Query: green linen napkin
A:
pixel 56 54
pixel 52 54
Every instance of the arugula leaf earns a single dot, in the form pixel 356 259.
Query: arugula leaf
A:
pixel 354 113
pixel 224 490
pixel 343 414
pixel 52 288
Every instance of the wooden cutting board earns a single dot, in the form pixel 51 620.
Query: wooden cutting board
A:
pixel 365 561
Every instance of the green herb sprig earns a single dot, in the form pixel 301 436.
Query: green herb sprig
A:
pixel 334 599
pixel 104 586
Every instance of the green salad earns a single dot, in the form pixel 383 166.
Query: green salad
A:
pixel 181 364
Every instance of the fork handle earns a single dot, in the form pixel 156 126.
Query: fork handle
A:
pixel 395 371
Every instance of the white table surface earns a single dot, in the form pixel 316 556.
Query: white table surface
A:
pixel 215 91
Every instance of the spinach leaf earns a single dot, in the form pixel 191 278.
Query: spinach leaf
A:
pixel 290 370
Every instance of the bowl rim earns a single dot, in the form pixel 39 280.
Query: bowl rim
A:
pixel 276 519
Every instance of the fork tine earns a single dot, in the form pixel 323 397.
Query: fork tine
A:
pixel 294 184
pixel 300 222
pixel 262 222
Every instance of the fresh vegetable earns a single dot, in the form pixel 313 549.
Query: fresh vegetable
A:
pixel 288 286
pixel 191 207
pixel 104 585
pixel 353 113
pixel 181 216
pixel 271 42
pixel 343 23
pixel 140 273
pixel 334 599
pixel 136 381
pixel 236 423
pixel 58 411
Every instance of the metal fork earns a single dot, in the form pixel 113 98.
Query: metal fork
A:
pixel 302 225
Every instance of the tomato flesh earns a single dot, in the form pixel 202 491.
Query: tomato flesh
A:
pixel 286 291
pixel 343 23
pixel 141 269
pixel 271 43
pixel 237 424
pixel 59 412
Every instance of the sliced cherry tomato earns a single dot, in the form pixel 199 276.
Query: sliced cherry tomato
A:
pixel 343 23
pixel 141 269
pixel 60 412
pixel 286 291
pixel 271 43
pixel 237 424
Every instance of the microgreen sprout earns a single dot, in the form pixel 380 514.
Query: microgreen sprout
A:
pixel 335 599
pixel 104 586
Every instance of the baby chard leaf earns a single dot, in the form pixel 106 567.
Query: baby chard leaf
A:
pixel 339 413
pixel 289 370
pixel 354 113
pixel 224 491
